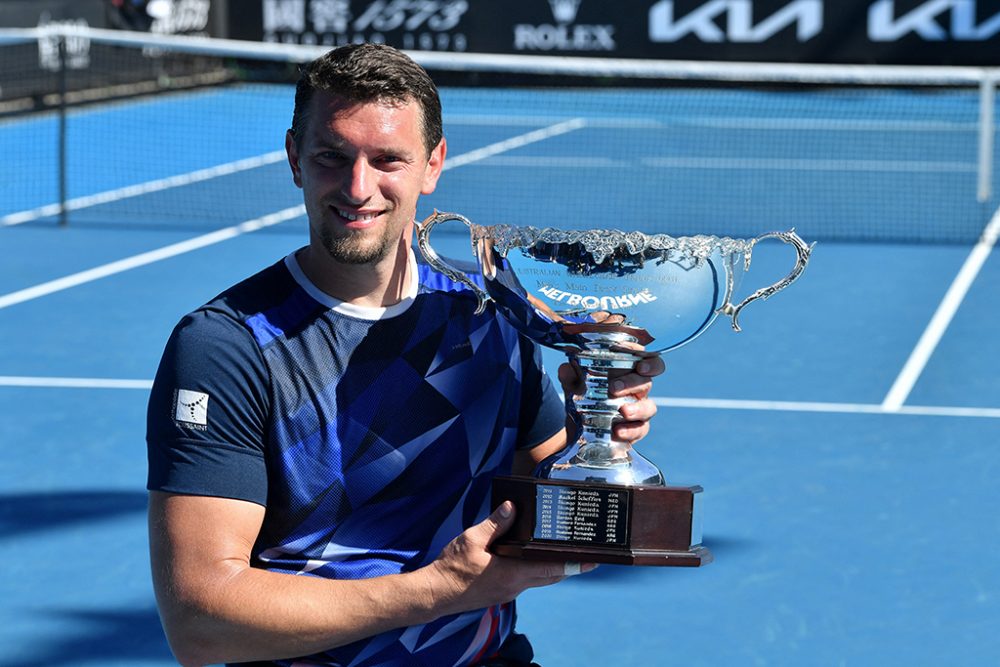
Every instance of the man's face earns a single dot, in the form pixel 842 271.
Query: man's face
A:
pixel 362 167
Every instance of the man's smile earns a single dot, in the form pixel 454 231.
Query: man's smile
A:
pixel 360 218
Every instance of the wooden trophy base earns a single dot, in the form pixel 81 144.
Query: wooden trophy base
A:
pixel 591 522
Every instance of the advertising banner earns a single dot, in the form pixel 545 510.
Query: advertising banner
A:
pixel 954 32
pixel 28 70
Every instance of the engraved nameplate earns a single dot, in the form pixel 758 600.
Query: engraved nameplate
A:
pixel 581 515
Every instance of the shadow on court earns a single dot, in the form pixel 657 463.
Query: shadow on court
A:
pixel 727 548
pixel 25 513
pixel 112 635
pixel 101 637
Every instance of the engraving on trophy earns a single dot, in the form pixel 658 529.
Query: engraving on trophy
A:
pixel 607 299
pixel 581 515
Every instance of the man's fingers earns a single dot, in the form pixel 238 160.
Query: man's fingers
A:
pixel 635 382
pixel 630 384
pixel 641 410
pixel 650 367
pixel 630 432
pixel 571 378
pixel 635 420
pixel 502 518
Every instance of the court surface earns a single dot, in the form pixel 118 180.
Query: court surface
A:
pixel 848 440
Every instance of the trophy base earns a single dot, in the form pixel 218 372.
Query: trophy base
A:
pixel 593 522
pixel 695 557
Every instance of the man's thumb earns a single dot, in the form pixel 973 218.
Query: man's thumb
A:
pixel 500 521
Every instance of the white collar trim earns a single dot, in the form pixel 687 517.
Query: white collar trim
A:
pixel 354 310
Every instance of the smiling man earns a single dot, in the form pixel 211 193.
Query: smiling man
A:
pixel 361 168
pixel 327 503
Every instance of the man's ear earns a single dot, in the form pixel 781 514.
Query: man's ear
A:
pixel 434 166
pixel 292 151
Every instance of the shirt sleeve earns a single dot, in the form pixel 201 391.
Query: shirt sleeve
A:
pixel 207 414
pixel 543 412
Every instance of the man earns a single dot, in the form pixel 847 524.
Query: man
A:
pixel 323 435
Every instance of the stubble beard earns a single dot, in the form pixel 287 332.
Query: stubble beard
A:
pixel 355 248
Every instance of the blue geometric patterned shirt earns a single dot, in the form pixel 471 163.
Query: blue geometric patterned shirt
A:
pixel 370 435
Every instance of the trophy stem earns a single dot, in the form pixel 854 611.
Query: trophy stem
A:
pixel 598 414
pixel 597 456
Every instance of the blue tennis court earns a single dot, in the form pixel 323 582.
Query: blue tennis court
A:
pixel 846 439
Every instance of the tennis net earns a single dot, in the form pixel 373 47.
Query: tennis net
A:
pixel 139 130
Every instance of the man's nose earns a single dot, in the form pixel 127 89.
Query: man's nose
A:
pixel 360 182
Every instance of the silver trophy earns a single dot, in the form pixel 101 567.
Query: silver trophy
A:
pixel 607 299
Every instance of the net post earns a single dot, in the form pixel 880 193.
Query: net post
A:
pixel 63 196
pixel 219 17
pixel 987 128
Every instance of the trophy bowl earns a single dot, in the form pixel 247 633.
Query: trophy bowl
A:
pixel 607 299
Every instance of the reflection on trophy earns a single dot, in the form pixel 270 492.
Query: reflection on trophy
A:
pixel 607 299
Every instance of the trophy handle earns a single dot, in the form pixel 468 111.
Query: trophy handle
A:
pixel 424 243
pixel 802 256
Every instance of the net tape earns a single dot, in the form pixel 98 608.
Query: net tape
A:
pixel 747 72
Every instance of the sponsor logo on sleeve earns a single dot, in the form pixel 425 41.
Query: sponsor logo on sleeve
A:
pixel 191 409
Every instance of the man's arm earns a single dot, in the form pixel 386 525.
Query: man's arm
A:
pixel 216 608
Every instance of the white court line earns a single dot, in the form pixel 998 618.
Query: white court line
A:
pixel 515 142
pixel 842 408
pixel 758 164
pixel 667 402
pixel 499 120
pixel 568 162
pixel 142 259
pixel 827 124
pixel 719 122
pixel 144 188
pixel 779 124
pixel 245 164
pixel 939 323
pixel 729 164
pixel 73 383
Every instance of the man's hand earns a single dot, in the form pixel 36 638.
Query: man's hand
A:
pixel 636 383
pixel 467 576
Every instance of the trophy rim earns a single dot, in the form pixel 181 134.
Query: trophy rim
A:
pixel 602 242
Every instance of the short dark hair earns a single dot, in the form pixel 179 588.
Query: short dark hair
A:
pixel 369 73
